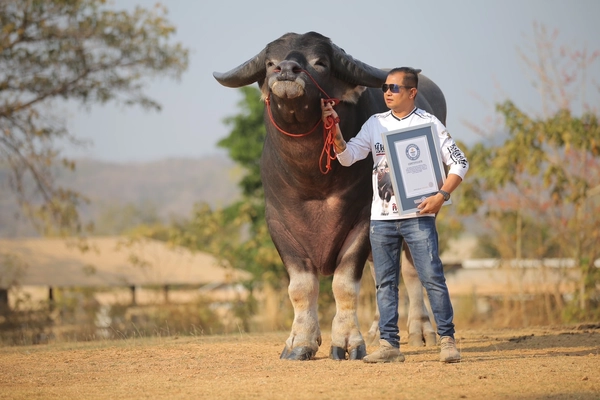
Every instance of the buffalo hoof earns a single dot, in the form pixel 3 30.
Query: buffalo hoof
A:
pixel 297 354
pixel 420 340
pixel 415 340
pixel 430 339
pixel 358 353
pixel 337 353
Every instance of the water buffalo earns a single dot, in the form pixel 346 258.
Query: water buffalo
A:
pixel 318 211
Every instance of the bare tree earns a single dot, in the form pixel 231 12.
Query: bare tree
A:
pixel 77 50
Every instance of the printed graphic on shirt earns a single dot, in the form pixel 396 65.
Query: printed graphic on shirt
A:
pixel 379 149
pixel 457 155
pixel 385 190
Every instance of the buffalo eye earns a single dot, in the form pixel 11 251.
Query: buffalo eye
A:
pixel 320 63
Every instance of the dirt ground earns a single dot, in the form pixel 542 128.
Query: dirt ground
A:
pixel 536 363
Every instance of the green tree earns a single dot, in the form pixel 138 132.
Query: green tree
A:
pixel 77 50
pixel 245 141
pixel 238 233
pixel 245 144
pixel 540 186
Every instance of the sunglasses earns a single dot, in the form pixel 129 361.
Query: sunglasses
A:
pixel 393 87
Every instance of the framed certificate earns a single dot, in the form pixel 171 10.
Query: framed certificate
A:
pixel 415 165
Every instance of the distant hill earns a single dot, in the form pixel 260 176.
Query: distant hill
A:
pixel 171 186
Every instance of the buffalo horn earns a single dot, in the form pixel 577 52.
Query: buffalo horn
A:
pixel 247 73
pixel 354 71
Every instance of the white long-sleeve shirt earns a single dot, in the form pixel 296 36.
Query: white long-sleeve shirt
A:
pixel 369 140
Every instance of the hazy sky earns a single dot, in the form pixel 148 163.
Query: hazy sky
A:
pixel 468 47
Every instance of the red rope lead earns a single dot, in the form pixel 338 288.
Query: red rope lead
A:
pixel 328 130
pixel 328 146
pixel 296 135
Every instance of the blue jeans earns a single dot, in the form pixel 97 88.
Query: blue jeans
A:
pixel 421 237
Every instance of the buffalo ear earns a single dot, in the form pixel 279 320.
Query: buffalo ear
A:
pixel 253 70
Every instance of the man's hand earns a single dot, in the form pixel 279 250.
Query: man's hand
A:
pixel 327 110
pixel 432 204
pixel 339 143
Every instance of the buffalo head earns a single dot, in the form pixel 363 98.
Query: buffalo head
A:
pixel 285 67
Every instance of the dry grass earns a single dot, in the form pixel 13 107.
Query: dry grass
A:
pixel 536 363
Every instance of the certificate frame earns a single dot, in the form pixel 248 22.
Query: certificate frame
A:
pixel 415 165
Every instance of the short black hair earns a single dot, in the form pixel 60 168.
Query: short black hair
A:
pixel 411 75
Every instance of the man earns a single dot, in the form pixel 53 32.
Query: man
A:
pixel 389 229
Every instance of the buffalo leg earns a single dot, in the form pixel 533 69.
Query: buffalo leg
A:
pixel 305 337
pixel 345 333
pixel 419 325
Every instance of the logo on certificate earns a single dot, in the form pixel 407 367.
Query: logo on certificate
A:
pixel 412 151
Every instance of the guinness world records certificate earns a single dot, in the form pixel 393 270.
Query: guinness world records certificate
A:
pixel 415 165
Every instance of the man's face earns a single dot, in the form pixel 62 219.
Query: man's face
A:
pixel 401 100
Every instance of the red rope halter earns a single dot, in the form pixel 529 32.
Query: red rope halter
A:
pixel 328 151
